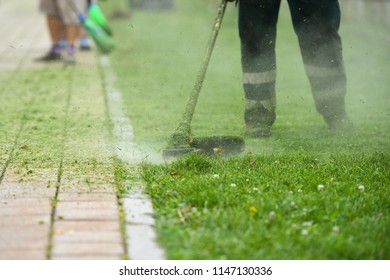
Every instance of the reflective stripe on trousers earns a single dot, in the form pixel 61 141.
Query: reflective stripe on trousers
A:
pixel 316 24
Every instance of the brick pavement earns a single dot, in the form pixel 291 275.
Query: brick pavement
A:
pixel 52 215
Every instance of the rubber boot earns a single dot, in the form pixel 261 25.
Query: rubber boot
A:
pixel 259 118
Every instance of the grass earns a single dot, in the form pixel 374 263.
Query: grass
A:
pixel 264 204
pixel 269 207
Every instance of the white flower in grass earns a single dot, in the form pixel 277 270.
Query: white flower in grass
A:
pixel 293 205
pixel 233 185
pixel 216 176
pixel 255 189
pixel 305 232
pixel 294 226
pixel 361 188
pixel 307 224
pixel 299 191
pixel 290 192
pixel 336 230
pixel 320 188
pixel 271 215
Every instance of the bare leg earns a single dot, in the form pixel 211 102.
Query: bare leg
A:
pixel 72 33
pixel 55 28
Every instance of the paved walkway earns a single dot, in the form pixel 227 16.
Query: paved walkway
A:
pixel 65 207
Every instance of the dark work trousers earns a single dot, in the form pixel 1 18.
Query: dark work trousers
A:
pixel 316 23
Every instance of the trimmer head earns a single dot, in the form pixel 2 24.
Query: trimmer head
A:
pixel 211 146
pixel 219 145
pixel 173 153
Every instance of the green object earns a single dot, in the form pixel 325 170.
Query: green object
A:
pixel 103 41
pixel 96 14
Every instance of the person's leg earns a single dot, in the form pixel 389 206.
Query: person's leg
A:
pixel 84 43
pixel 257 29
pixel 55 28
pixel 69 14
pixel 72 33
pixel 316 24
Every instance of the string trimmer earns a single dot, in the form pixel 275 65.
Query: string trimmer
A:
pixel 180 142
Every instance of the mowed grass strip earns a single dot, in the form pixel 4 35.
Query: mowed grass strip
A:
pixel 156 73
pixel 156 69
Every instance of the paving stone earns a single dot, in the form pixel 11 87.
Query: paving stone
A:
pixel 23 254
pixel 25 210
pixel 21 241
pixel 85 256
pixel 79 187
pixel 39 175
pixel 142 243
pixel 87 229
pixel 87 210
pixel 25 189
pixel 95 250
pixel 25 220
pixel 63 226
pixel 23 207
pixel 24 238
pixel 86 236
pixel 89 196
pixel 138 211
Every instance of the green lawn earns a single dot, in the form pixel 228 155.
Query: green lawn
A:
pixel 264 204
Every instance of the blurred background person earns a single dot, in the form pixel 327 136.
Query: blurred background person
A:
pixel 62 20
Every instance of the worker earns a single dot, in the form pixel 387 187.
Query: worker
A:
pixel 316 23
